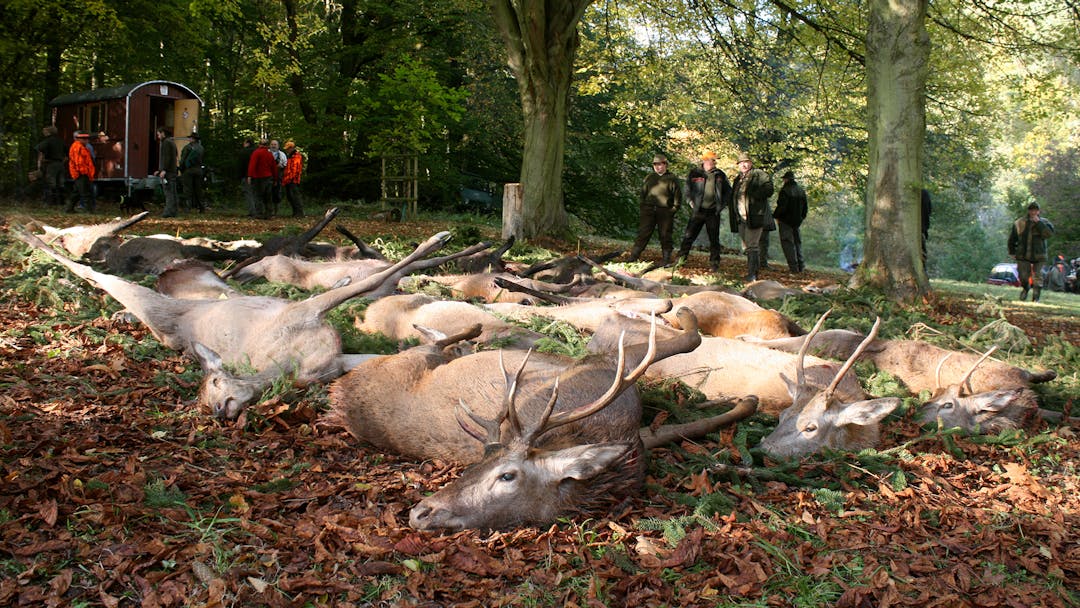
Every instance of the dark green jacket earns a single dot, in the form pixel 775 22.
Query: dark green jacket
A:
pixel 1027 239
pixel 662 191
pixel 791 205
pixel 192 156
pixel 759 188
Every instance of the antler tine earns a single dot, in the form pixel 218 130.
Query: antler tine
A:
pixel 490 428
pixel 618 385
pixel 937 372
pixel 511 391
pixel 966 379
pixel 851 360
pixel 800 374
pixel 538 429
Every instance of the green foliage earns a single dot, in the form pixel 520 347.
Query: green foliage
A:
pixel 410 107
pixel 561 338
pixel 159 495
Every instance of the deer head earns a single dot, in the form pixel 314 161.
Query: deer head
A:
pixel 224 393
pixel 521 479
pixel 989 413
pixel 816 419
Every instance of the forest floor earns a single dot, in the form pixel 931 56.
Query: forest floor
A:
pixel 117 491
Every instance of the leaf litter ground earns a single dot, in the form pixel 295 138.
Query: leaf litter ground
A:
pixel 117 492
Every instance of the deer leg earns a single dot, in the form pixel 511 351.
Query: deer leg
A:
pixel 668 433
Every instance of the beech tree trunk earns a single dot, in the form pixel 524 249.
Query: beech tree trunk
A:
pixel 541 40
pixel 897 52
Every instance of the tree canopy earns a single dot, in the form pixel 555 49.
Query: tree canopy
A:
pixel 784 80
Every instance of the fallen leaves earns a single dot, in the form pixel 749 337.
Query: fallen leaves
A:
pixel 283 510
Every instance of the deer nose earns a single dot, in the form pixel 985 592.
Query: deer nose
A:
pixel 420 516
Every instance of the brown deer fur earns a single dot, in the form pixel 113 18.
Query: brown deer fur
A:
pixel 530 468
pixel 921 366
pixel 271 335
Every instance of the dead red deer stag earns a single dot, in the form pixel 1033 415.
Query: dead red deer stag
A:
pixel 723 368
pixel 585 314
pixel 660 289
pixel 558 436
pixel 490 287
pixel 819 418
pixel 921 366
pixel 307 274
pixel 988 413
pixel 272 335
pixel 718 313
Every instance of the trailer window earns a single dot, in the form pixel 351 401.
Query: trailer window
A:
pixel 94 118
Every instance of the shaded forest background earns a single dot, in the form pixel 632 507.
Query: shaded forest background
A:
pixel 354 81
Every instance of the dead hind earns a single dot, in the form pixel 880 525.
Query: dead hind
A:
pixel 273 336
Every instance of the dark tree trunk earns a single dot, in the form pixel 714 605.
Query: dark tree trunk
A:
pixel 541 40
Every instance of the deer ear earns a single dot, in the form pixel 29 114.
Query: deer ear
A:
pixel 994 401
pixel 430 335
pixel 863 413
pixel 792 388
pixel 208 359
pixel 584 461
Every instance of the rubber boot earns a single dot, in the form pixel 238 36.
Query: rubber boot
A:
pixel 1023 294
pixel 1035 294
pixel 752 258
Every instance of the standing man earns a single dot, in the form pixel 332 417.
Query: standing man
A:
pixel 707 193
pixel 1027 243
pixel 167 169
pixel 50 163
pixel 243 157
pixel 81 169
pixel 747 209
pixel 291 179
pixel 262 171
pixel 191 163
pixel 791 209
pixel 661 196
pixel 281 160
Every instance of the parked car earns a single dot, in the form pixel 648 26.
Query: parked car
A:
pixel 1004 274
pixel 478 195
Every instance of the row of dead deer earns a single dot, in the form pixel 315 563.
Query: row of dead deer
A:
pixel 547 438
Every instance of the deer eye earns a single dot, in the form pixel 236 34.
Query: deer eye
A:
pixel 508 476
pixel 810 428
pixel 948 405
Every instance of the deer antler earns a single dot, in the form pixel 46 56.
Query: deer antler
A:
pixel 937 372
pixel 487 434
pixel 620 384
pixel 851 360
pixel 511 391
pixel 966 379
pixel 490 433
pixel 800 374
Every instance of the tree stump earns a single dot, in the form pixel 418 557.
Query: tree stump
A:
pixel 512 212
